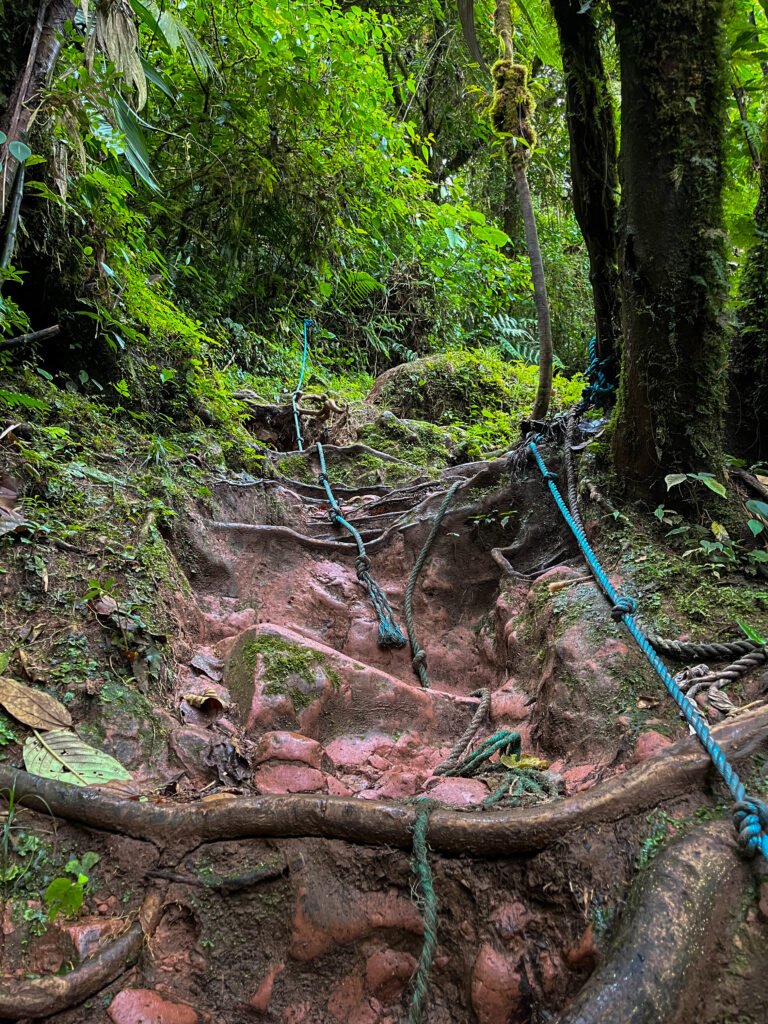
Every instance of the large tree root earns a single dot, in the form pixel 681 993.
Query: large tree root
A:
pixel 650 974
pixel 43 997
pixel 681 768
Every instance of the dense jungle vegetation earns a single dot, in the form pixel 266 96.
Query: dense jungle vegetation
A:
pixel 182 184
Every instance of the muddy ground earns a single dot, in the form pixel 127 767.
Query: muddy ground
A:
pixel 279 687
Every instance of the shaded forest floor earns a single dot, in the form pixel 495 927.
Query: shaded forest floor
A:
pixel 204 625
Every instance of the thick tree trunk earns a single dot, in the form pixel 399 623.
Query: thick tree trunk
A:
pixel 749 360
pixel 673 85
pixel 44 46
pixel 594 167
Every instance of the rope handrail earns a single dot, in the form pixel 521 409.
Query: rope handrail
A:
pixel 390 634
pixel 750 815
pixel 309 323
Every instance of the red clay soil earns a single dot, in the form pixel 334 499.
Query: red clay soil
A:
pixel 281 689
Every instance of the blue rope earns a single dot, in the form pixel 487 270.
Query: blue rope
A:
pixel 600 387
pixel 308 323
pixel 750 815
pixel 390 634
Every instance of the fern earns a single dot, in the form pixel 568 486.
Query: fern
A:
pixel 16 400
pixel 355 286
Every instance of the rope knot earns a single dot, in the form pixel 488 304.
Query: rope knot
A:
pixel 624 606
pixel 549 475
pixel 323 478
pixel 750 818
pixel 419 658
pixel 362 564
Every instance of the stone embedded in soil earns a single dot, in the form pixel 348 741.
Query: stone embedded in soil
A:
pixel 288 746
pixel 326 920
pixel 349 1004
pixel 142 1006
pixel 288 777
pixel 260 1000
pixel 457 792
pixel 497 993
pixel 650 743
pixel 387 972
pixel 343 697
pixel 88 933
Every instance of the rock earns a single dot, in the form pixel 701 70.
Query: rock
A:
pixel 580 777
pixel 323 920
pixel 49 952
pixel 288 746
pixel 288 777
pixel 387 972
pixel 209 665
pixel 142 1006
pixel 456 792
pixel 496 987
pixel 650 743
pixel 260 1000
pixel 88 933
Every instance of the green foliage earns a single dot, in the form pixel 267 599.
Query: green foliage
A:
pixel 64 896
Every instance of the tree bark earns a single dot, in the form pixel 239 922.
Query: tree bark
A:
pixel 505 30
pixel 673 285
pixel 44 49
pixel 594 164
pixel 748 404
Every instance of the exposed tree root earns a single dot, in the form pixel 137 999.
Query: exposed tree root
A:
pixel 680 906
pixel 682 767
pixel 42 997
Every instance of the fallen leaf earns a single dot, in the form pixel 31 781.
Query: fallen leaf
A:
pixel 524 762
pixel 648 702
pixel 62 756
pixel 32 707
pixel 207 702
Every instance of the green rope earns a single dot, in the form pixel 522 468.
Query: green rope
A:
pixel 390 634
pixel 419 660
pixel 308 323
pixel 503 742
pixel 423 872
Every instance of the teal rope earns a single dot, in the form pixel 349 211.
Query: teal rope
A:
pixel 308 323
pixel 423 872
pixel 750 815
pixel 390 634
pixel 419 660
pixel 505 742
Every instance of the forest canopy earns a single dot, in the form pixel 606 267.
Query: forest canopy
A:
pixel 182 184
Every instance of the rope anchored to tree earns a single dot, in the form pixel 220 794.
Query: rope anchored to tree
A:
pixel 751 815
pixel 390 634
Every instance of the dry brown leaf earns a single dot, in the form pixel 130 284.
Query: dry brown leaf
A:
pixel 207 702
pixel 648 702
pixel 32 707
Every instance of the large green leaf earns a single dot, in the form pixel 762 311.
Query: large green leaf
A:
pixel 62 756
pixel 129 125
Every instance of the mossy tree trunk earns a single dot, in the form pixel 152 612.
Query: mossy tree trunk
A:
pixel 594 166
pixel 512 109
pixel 42 37
pixel 672 242
pixel 749 359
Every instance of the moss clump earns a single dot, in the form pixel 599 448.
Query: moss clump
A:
pixel 288 670
pixel 512 107
pixel 475 393
pixel 415 441
pixel 297 467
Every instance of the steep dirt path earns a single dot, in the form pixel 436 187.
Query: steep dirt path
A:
pixel 282 689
